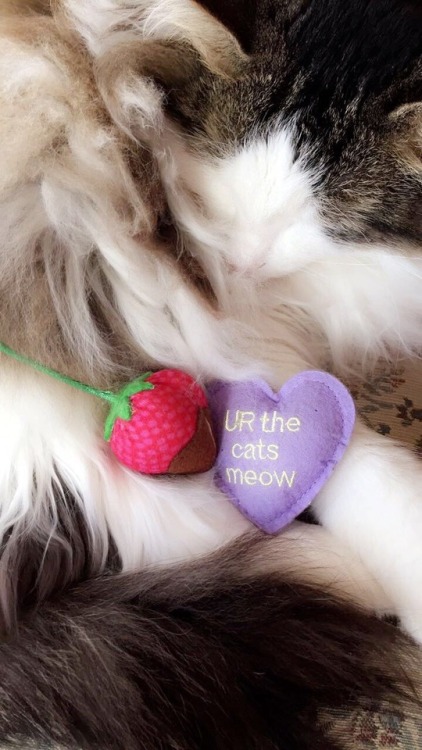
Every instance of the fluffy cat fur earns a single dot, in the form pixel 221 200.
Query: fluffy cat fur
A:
pixel 288 160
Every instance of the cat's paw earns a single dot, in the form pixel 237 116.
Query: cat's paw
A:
pixel 373 503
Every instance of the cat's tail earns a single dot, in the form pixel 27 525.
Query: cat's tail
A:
pixel 214 655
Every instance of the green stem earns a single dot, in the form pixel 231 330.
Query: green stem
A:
pixel 105 395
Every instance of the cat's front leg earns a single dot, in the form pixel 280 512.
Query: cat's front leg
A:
pixel 373 502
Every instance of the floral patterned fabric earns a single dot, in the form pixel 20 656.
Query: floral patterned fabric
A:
pixel 390 402
pixel 375 728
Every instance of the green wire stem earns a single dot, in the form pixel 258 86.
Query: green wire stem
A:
pixel 121 401
pixel 105 395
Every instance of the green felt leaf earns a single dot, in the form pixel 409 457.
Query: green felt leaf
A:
pixel 122 407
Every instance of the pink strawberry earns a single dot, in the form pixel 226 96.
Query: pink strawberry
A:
pixel 160 424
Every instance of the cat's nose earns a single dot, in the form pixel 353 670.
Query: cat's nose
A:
pixel 248 270
pixel 247 255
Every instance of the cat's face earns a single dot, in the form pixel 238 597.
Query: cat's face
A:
pixel 319 135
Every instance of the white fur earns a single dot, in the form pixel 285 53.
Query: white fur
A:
pixel 259 212
pixel 259 224
pixel 373 503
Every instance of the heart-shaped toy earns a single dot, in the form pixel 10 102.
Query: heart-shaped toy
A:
pixel 276 450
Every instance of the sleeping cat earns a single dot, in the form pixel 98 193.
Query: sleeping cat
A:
pixel 233 197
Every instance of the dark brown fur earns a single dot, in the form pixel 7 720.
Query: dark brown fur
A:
pixel 195 658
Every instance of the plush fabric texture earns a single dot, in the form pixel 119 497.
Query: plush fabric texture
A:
pixel 160 425
pixel 276 450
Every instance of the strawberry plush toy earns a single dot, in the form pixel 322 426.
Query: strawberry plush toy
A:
pixel 157 424
pixel 160 424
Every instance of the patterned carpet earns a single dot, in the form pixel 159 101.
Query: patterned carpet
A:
pixel 376 727
pixel 390 402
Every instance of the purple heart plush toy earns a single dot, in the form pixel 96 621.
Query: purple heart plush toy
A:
pixel 276 450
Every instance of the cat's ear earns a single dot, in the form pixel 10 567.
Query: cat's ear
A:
pixel 144 48
pixel 105 23
pixel 237 15
pixel 406 123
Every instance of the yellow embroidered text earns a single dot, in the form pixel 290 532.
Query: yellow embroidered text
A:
pixel 264 478
pixel 269 422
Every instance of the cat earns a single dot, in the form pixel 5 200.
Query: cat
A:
pixel 146 612
pixel 297 180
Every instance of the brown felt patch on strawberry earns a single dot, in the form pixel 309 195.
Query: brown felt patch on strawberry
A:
pixel 200 453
